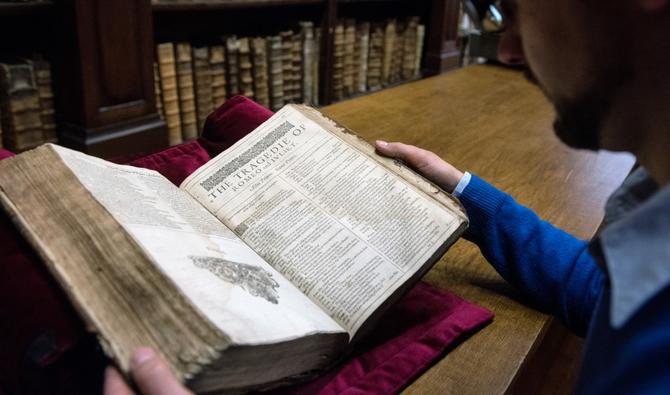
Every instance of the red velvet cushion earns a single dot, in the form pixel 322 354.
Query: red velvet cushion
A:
pixel 41 331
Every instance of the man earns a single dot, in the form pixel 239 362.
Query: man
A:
pixel 605 65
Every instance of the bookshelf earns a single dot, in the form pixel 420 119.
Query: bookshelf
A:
pixel 102 52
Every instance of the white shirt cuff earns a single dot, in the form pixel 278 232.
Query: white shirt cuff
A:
pixel 462 184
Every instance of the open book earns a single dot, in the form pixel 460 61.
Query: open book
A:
pixel 265 265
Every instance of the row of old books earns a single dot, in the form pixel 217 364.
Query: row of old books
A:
pixel 26 104
pixel 369 56
pixel 193 80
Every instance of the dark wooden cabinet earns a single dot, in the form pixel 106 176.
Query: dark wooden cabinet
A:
pixel 102 53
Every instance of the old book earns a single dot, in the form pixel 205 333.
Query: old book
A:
pixel 217 64
pixel 20 103
pixel 265 265
pixel 232 66
pixel 389 50
pixel 375 56
pixel 246 79
pixel 308 61
pixel 338 62
pixel 168 77
pixel 296 61
pixel 287 64
pixel 317 66
pixel 420 34
pixel 44 85
pixel 361 56
pixel 397 58
pixel 259 58
pixel 158 92
pixel 409 48
pixel 348 73
pixel 202 74
pixel 276 72
pixel 185 88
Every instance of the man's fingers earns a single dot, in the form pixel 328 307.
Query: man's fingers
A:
pixel 414 156
pixel 153 375
pixel 115 384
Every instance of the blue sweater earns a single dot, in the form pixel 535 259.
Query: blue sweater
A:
pixel 556 271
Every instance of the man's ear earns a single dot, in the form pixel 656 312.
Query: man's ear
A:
pixel 653 5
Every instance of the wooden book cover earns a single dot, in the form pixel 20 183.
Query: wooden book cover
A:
pixel 203 84
pixel 276 72
pixel 263 268
pixel 259 57
pixel 232 66
pixel 20 104
pixel 361 52
pixel 186 91
pixel 375 56
pixel 217 64
pixel 168 76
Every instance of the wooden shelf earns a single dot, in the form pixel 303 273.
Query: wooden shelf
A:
pixel 229 4
pixel 29 8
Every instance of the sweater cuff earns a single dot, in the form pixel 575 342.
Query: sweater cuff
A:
pixel 482 202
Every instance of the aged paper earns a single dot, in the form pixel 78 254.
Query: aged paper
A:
pixel 234 287
pixel 341 227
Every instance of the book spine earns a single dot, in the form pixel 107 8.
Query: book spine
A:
pixel 409 49
pixel 375 56
pixel 362 51
pixel 338 62
pixel 233 77
pixel 308 50
pixel 217 64
pixel 246 81
pixel 20 105
pixel 296 63
pixel 316 61
pixel 259 55
pixel 276 72
pixel 287 64
pixel 168 76
pixel 203 84
pixel 389 46
pixel 397 57
pixel 189 120
pixel 420 34
pixel 47 112
pixel 349 68
pixel 158 92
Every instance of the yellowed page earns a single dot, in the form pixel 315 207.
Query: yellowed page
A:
pixel 335 222
pixel 234 287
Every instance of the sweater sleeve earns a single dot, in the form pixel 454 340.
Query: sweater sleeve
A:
pixel 550 266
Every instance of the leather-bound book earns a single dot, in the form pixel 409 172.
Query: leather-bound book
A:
pixel 259 59
pixel 203 84
pixel 217 64
pixel 168 76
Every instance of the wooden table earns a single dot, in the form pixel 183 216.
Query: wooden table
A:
pixel 493 123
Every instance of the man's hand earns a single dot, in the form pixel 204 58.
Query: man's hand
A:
pixel 425 162
pixel 151 374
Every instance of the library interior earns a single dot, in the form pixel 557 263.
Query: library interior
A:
pixel 334 196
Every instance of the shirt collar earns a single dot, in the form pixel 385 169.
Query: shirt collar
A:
pixel 635 244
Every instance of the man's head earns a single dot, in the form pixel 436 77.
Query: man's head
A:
pixel 593 60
